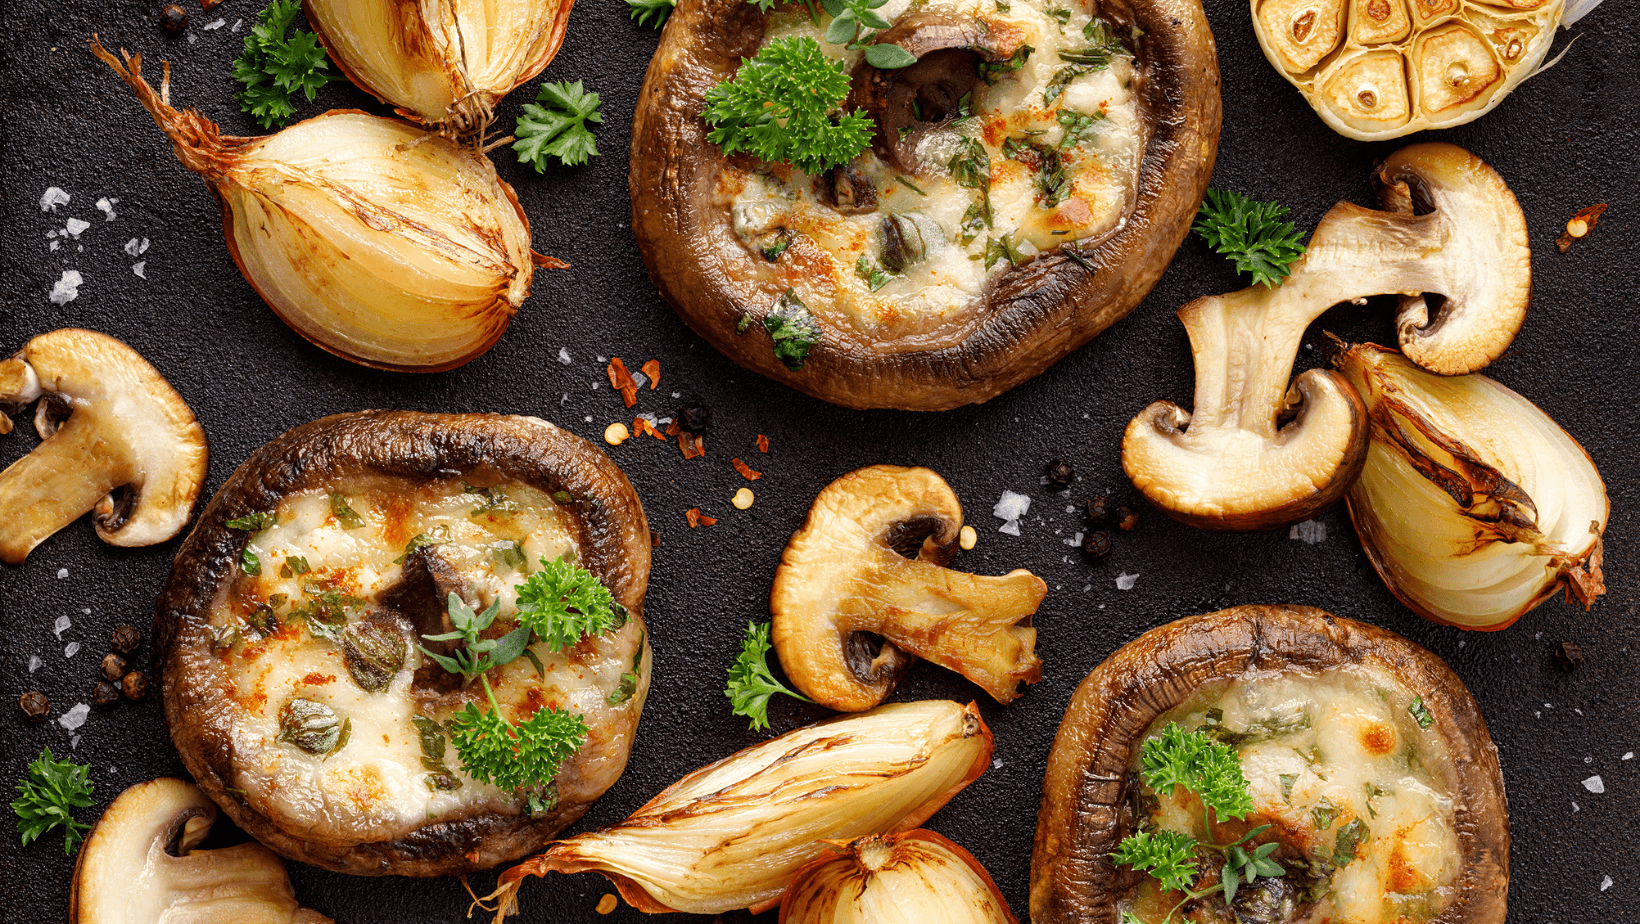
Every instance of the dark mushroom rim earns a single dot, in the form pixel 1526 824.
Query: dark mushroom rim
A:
pixel 605 515
pixel 1027 319
pixel 1081 820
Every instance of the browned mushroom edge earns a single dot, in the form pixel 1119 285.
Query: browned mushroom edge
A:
pixel 1081 820
pixel 1031 316
pixel 612 534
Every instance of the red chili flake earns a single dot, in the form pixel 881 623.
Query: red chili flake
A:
pixel 672 428
pixel 745 470
pixel 622 381
pixel 707 521
pixel 696 518
pixel 641 425
pixel 762 443
pixel 691 445
pixel 1581 223
pixel 653 370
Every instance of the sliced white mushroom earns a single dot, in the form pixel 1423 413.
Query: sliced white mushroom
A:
pixel 139 866
pixel 129 448
pixel 1257 453
pixel 864 582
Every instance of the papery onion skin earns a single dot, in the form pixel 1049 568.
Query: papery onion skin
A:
pixel 731 835
pixel 1474 506
pixel 374 240
pixel 918 876
pixel 432 59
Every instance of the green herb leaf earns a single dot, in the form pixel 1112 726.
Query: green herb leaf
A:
pixel 989 71
pixel 439 778
pixel 251 522
pixel 312 726
pixel 563 603
pixel 971 165
pixel 750 682
pixel 1251 234
pixel 785 104
pixel 273 67
pixel 1002 248
pixel 1079 127
pixel 47 796
pixel 1287 781
pixel 510 756
pixel 889 57
pixel 1347 846
pixel 793 328
pixel 629 680
pixel 343 512
pixel 875 276
pixel 650 12
pixel 373 654
pixel 1421 712
pixel 249 563
pixel 555 126
pixel 782 241
pixel 1170 856
pixel 1323 813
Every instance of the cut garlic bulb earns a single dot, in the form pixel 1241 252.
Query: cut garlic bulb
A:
pixel 895 879
pixel 1474 506
pixel 444 63
pixel 377 241
pixel 731 835
pixel 1376 69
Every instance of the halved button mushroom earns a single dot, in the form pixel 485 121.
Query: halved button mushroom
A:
pixel 127 448
pixel 1257 453
pixel 864 582
pixel 139 866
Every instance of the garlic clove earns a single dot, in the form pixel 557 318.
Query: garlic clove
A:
pixel 444 63
pixel 375 240
pixel 915 876
pixel 1474 506
pixel 731 835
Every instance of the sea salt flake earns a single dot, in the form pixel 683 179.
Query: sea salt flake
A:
pixel 106 205
pixel 62 573
pixel 589 418
pixel 1011 506
pixel 52 198
pixel 215 24
pixel 602 360
pixel 74 742
pixel 136 247
pixel 67 288
pixel 141 269
pixel 192 38
pixel 1070 508
pixel 1595 784
pixel 1125 581
pixel 72 649
pixel 563 356
pixel 34 663
pixel 639 379
pixel 74 717
pixel 996 764
pixel 1011 528
pixel 1605 883
pixel 61 626
pixel 54 245
pixel 1628 755
pixel 1074 541
pixel 1576 808
pixel 75 227
pixel 1309 532
pixel 236 25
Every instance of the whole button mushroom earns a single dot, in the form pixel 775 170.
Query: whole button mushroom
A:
pixel 129 448
pixel 140 866
pixel 1258 453
pixel 863 587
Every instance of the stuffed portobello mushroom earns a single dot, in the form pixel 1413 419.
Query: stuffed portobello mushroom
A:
pixel 410 644
pixel 1028 170
pixel 1272 764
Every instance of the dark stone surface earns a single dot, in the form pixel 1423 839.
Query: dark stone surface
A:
pixel 1563 141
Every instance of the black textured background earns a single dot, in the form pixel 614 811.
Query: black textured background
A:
pixel 1563 141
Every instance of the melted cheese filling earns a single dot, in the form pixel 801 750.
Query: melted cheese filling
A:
pixel 835 262
pixel 375 783
pixel 1338 765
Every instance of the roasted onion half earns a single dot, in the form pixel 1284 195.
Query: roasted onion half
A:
pixel 444 63
pixel 1473 504
pixel 375 240
pixel 1344 731
pixel 915 876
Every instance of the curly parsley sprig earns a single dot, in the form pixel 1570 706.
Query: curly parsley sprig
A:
pixel 48 794
pixel 274 67
pixel 555 126
pixel 750 682
pixel 1251 234
pixel 785 104
pixel 563 603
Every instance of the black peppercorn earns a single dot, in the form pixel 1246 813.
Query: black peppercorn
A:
pixel 173 19
pixel 134 685
pixel 1059 474
pixel 1126 519
pixel 1568 655
pixel 126 639
pixel 1099 510
pixel 694 417
pixel 35 706
pixel 1097 545
pixel 113 667
pixel 104 694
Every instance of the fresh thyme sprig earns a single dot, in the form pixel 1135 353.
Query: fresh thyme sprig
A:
pixel 750 682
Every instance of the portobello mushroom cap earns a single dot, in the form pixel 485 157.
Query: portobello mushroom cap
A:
pixel 1086 794
pixel 1026 319
pixel 608 527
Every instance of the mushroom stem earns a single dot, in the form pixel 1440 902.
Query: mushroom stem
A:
pixel 57 483
pixel 968 623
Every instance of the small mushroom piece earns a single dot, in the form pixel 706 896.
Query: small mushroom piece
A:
pixel 139 866
pixel 129 449
pixel 868 569
pixel 1258 453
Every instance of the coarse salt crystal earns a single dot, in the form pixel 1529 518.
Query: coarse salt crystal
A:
pixel 53 197
pixel 67 288
pixel 589 418
pixel 996 764
pixel 1628 755
pixel 236 24
pixel 1309 532
pixel 1595 784
pixel 1011 506
pixel 215 24
pixel 54 245
pixel 72 649
pixel 74 227
pixel 1011 528
pixel 1576 808
pixel 192 38
pixel 62 573
pixel 563 355
pixel 602 360
pixel 1074 541
pixel 105 205
pixel 639 379
pixel 34 663
pixel 1070 508
pixel 1605 883
pixel 136 247
pixel 61 626
pixel 1125 581
pixel 141 269
pixel 74 717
